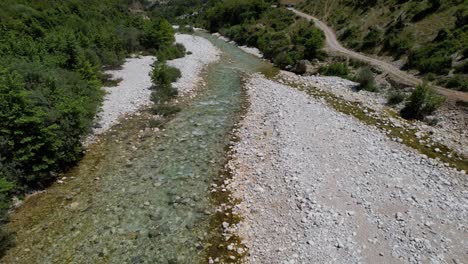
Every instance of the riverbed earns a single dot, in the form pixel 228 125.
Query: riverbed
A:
pixel 141 195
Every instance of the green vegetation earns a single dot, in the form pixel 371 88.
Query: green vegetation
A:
pixel 162 77
pixel 335 69
pixel 366 80
pixel 53 53
pixel 282 37
pixel 395 97
pixel 421 103
pixel 275 31
pixel 456 82
pixel 430 35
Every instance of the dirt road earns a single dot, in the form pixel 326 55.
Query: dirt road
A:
pixel 399 75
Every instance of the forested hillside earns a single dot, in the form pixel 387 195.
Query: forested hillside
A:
pixel 52 55
pixel 430 36
pixel 275 31
pixel 282 37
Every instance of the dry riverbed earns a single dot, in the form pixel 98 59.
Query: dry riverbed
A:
pixel 318 186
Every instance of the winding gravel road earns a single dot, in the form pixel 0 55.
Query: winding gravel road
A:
pixel 318 186
pixel 399 75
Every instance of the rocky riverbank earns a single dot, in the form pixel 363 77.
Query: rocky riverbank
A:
pixel 133 91
pixel 451 124
pixel 200 52
pixel 318 186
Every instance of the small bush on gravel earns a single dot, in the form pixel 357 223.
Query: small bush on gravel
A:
pixel 421 103
pixel 171 52
pixel 366 80
pixel 335 69
pixel 395 98
pixel 162 77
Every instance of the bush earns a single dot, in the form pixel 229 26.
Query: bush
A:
pixel 395 98
pixel 433 57
pixel 457 82
pixel 422 102
pixel 366 80
pixel 372 39
pixel 335 69
pixel 162 78
pixel 171 52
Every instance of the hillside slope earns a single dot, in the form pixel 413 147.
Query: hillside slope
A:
pixel 429 36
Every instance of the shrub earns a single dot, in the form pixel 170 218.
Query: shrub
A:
pixel 163 75
pixel 335 69
pixel 372 39
pixel 422 102
pixel 463 68
pixel 157 34
pixel 457 82
pixel 398 45
pixel 366 80
pixel 171 52
pixel 162 78
pixel 395 98
pixel 433 58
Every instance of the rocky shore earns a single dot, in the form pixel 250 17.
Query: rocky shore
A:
pixel 318 186
pixel 133 91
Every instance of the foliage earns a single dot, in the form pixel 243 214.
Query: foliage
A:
pixel 395 97
pixel 234 12
pixel 366 80
pixel 422 102
pixel 171 52
pixel 53 53
pixel 431 35
pixel 162 78
pixel 275 31
pixel 456 82
pixel 372 39
pixel 335 69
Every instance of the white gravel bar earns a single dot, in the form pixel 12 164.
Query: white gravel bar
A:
pixel 133 92
pixel 318 186
pixel 191 66
pixel 129 95
pixel 252 50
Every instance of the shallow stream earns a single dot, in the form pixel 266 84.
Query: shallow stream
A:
pixel 141 196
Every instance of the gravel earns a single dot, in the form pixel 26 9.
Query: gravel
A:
pixel 451 129
pixel 129 95
pixel 191 66
pixel 318 186
pixel 133 92
pixel 251 50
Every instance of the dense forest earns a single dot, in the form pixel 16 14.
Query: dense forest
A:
pixel 430 36
pixel 52 58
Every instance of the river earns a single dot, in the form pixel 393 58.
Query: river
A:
pixel 141 196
